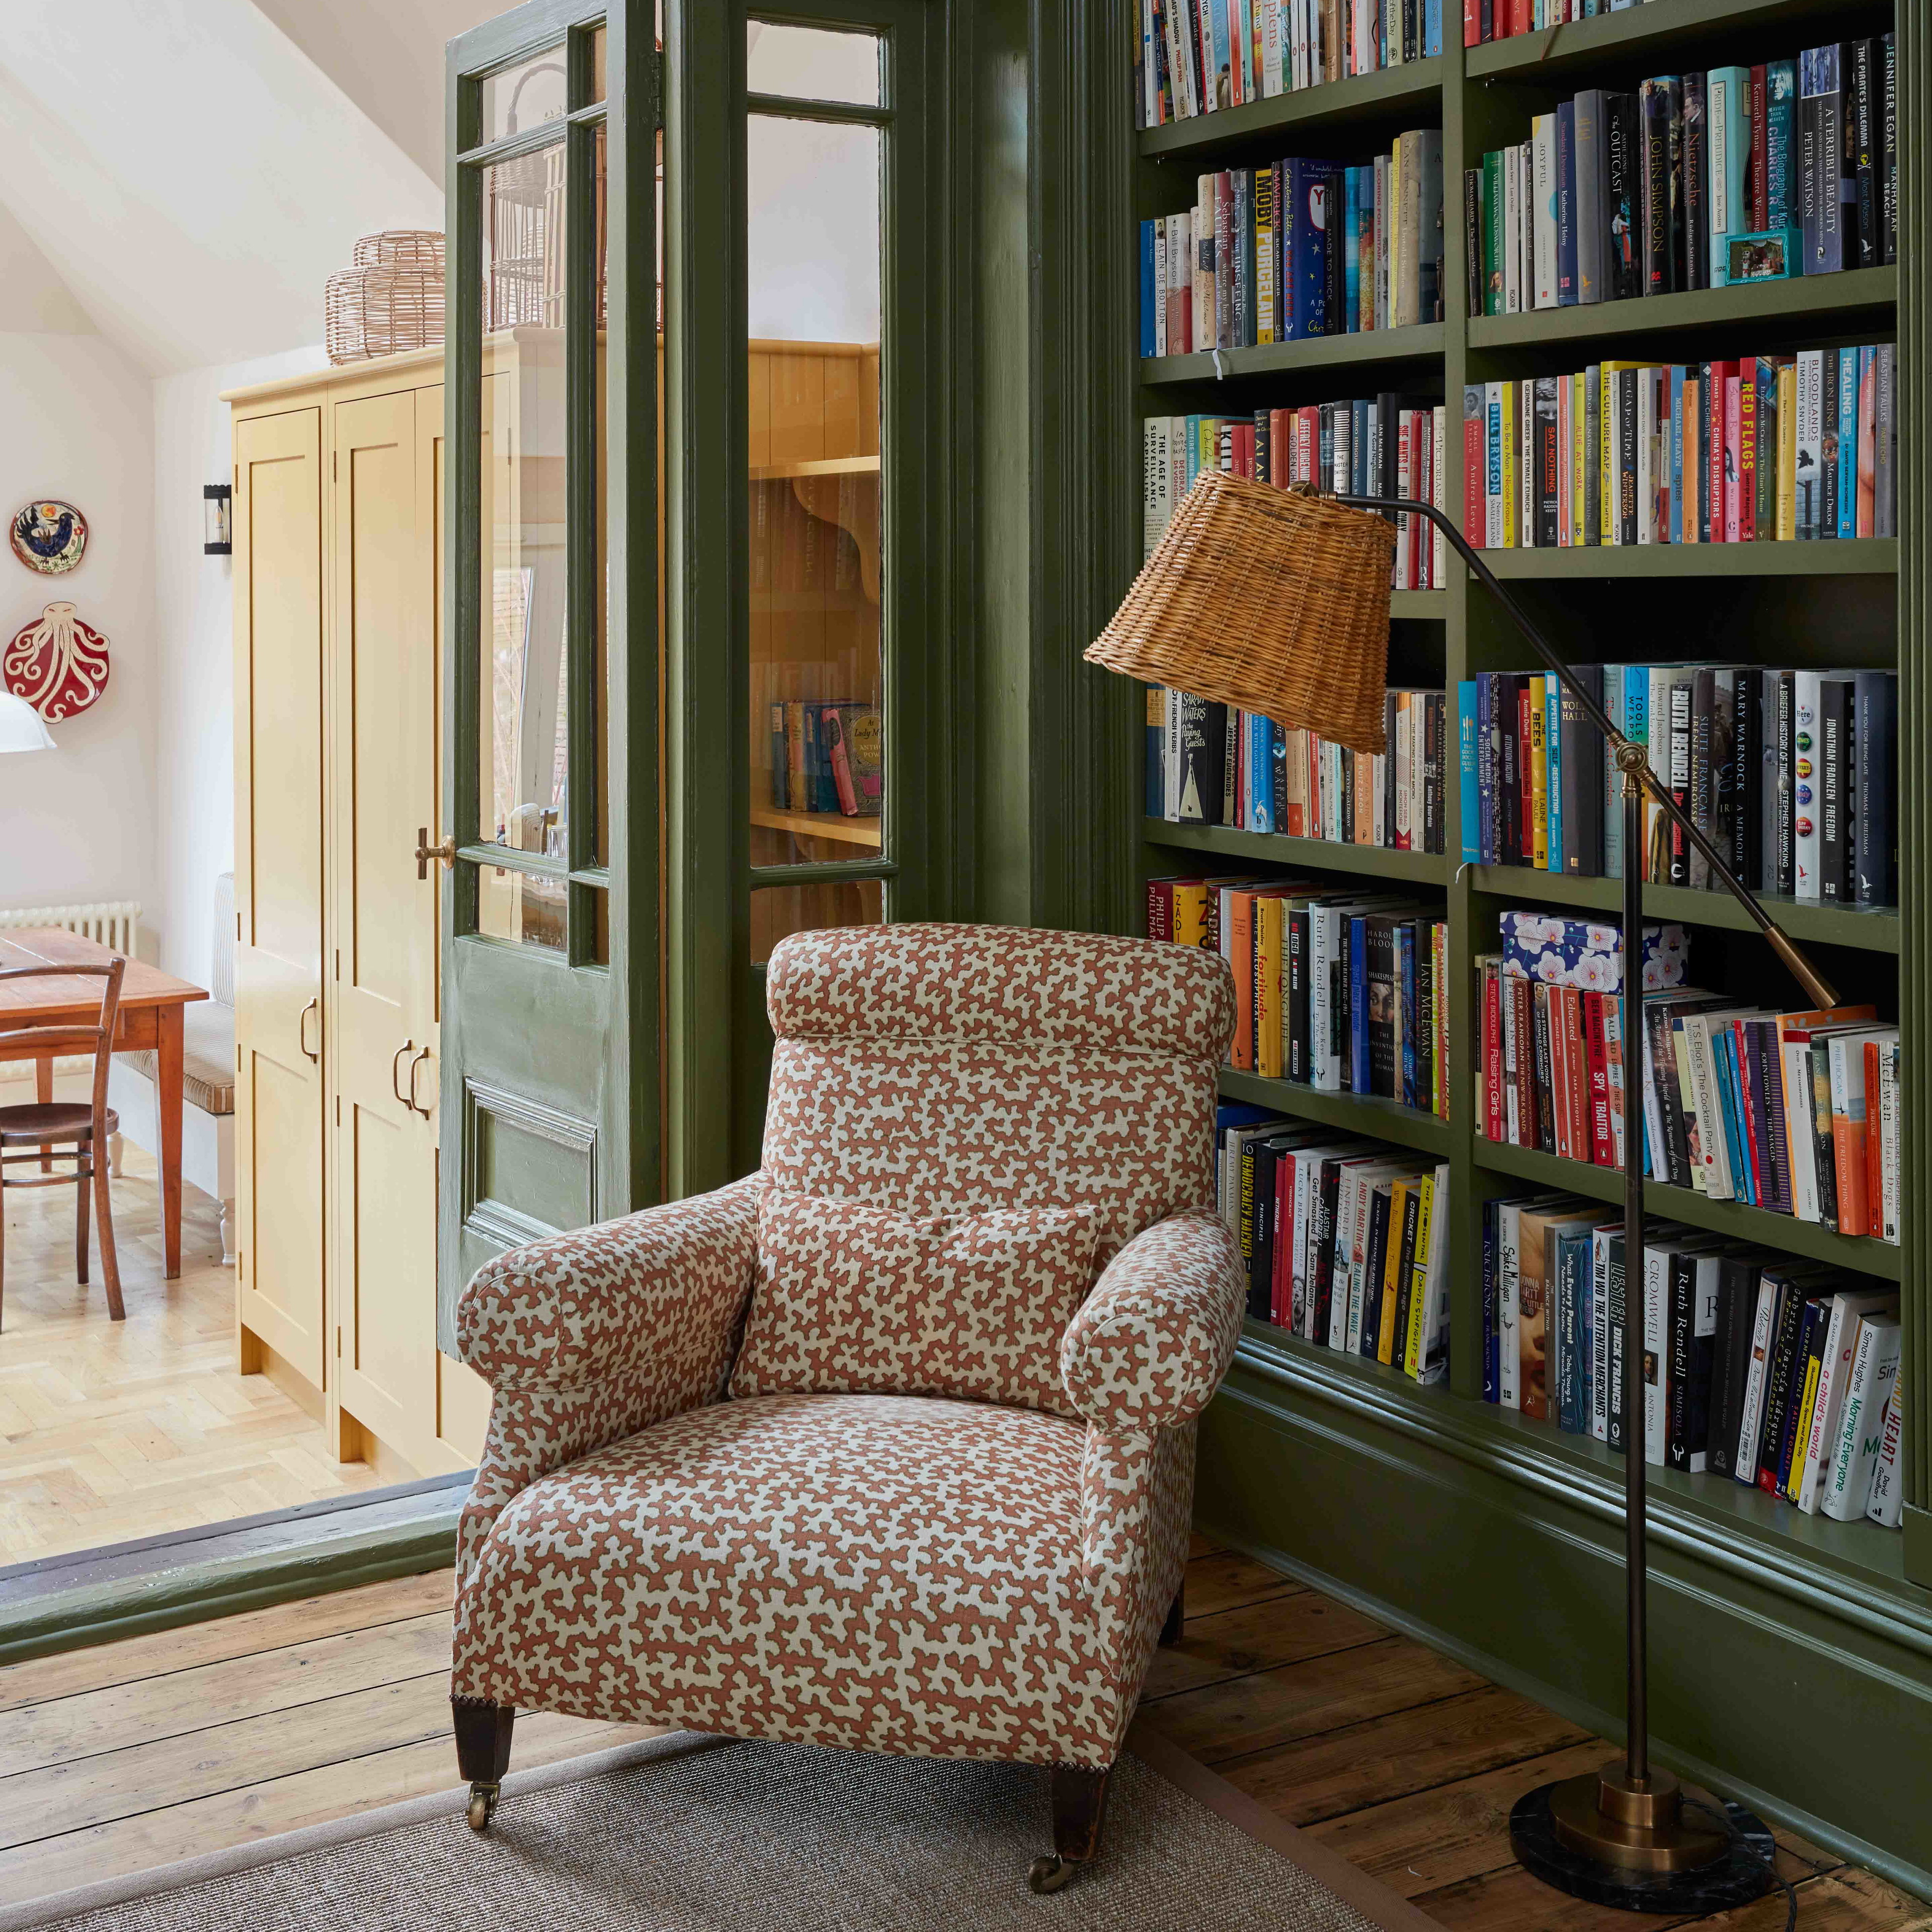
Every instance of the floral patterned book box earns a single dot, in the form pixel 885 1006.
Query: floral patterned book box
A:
pixel 1581 952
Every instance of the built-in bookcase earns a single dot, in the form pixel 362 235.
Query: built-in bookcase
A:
pixel 1493 1535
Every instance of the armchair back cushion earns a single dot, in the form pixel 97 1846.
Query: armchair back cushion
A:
pixel 856 1300
pixel 955 1070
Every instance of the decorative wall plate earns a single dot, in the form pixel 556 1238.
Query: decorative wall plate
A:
pixel 58 664
pixel 50 537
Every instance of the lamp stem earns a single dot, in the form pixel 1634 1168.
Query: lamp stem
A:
pixel 1632 762
pixel 1816 989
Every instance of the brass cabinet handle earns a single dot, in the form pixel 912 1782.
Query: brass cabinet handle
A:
pixel 413 1065
pixel 302 1030
pixel 396 1072
pixel 425 851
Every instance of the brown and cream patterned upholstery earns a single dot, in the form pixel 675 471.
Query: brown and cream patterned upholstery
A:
pixel 881 1567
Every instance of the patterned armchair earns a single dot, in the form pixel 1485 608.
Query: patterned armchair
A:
pixel 889 1446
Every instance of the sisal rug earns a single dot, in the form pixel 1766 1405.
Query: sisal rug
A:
pixel 685 1834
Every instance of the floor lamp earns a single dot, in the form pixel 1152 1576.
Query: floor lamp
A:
pixel 1278 602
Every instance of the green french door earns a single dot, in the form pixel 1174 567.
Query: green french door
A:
pixel 550 957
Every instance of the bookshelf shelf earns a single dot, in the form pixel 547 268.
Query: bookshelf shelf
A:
pixel 1324 855
pixel 1646 35
pixel 1824 304
pixel 826 466
pixel 1364 349
pixel 1865 556
pixel 1731 1218
pixel 819 825
pixel 1753 1530
pixel 1364 1114
pixel 1874 930
pixel 1337 103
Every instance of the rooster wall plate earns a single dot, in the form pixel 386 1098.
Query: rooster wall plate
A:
pixel 50 537
pixel 58 664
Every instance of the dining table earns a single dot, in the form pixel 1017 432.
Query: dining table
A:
pixel 150 1020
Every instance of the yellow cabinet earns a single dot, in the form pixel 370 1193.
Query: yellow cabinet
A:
pixel 338 651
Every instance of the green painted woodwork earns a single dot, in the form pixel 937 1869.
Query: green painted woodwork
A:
pixel 1384 1491
pixel 557 1038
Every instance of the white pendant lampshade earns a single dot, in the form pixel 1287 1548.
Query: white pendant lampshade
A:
pixel 20 727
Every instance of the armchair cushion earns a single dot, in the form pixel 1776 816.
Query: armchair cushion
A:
pixel 1150 1345
pixel 879 1572
pixel 856 1298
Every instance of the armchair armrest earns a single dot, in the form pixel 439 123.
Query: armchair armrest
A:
pixel 1149 1346
pixel 659 1292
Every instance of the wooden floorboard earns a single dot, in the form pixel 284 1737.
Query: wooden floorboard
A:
pixel 133 1755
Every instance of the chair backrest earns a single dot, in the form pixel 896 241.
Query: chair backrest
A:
pixel 939 1068
pixel 75 1036
pixel 221 955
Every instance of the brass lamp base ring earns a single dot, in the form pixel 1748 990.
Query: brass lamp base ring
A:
pixel 1598 1838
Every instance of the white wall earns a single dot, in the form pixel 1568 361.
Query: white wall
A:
pixel 194 703
pixel 78 823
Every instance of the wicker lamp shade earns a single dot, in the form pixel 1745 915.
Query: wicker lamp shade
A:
pixel 1270 599
pixel 391 299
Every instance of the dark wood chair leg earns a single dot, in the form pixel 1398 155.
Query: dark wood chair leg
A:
pixel 1079 1804
pixel 1176 1616
pixel 80 1191
pixel 103 1215
pixel 482 1752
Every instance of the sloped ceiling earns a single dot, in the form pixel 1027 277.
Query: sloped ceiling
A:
pixel 192 175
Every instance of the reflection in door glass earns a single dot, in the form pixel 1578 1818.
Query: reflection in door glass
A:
pixel 818 750
pixel 778 911
pixel 522 691
pixel 517 99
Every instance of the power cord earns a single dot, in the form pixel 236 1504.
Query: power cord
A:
pixel 1764 1864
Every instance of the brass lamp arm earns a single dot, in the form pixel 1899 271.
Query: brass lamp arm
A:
pixel 1816 987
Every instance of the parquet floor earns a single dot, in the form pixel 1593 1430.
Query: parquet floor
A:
pixel 111 1430
pixel 135 1753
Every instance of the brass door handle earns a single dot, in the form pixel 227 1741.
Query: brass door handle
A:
pixel 425 851
pixel 302 1030
pixel 413 1065
pixel 396 1072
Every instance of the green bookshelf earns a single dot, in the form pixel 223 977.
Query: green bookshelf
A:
pixel 1494 1536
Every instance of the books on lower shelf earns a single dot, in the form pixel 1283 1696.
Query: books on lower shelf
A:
pixel 1372 446
pixel 1777 1374
pixel 826 757
pixel 1197 57
pixel 1795 1113
pixel 1345 993
pixel 1754 449
pixel 1296 249
pixel 1344 1241
pixel 1791 774
pixel 1215 764
pixel 1695 181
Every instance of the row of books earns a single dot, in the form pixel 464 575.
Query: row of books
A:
pixel 1696 180
pixel 1197 56
pixel 1781 1376
pixel 826 757
pixel 1344 1241
pixel 1502 19
pixel 1296 249
pixel 1791 774
pixel 1208 764
pixel 1373 446
pixel 1751 449
pixel 1342 992
pixel 1797 1113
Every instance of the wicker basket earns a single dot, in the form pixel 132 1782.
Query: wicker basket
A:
pixel 374 311
pixel 401 248
pixel 1270 599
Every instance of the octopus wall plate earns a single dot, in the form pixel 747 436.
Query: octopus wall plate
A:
pixel 49 536
pixel 57 663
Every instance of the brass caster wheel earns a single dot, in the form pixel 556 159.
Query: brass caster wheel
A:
pixel 482 1805
pixel 1049 1872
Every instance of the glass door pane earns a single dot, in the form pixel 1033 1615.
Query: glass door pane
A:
pixel 817 711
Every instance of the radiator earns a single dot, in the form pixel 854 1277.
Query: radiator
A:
pixel 114 923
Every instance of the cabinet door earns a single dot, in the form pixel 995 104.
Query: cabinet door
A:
pixel 278 887
pixel 383 931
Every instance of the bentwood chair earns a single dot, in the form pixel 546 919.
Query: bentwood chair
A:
pixel 51 1123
